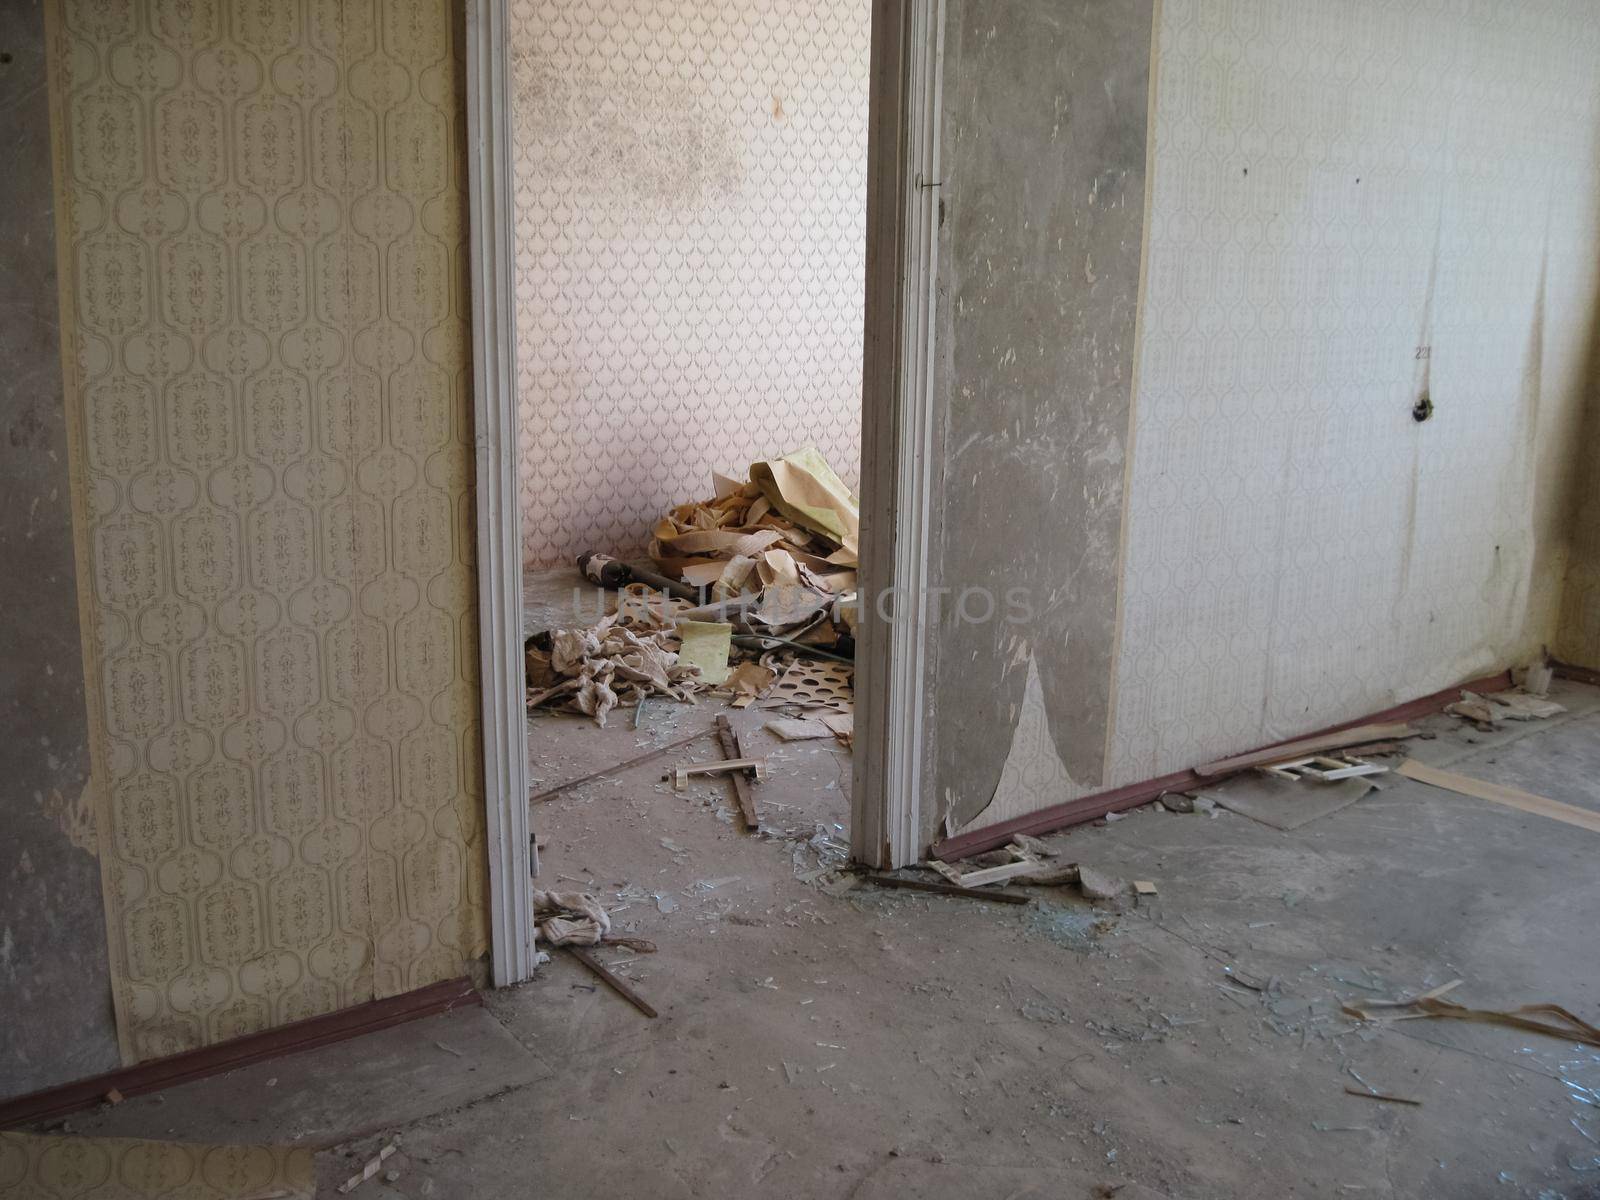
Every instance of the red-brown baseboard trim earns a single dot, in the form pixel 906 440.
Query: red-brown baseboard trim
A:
pixel 226 1056
pixel 1092 808
pixel 1576 673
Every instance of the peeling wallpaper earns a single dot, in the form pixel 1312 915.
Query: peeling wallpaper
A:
pixel 263 231
pixel 690 222
pixel 1350 205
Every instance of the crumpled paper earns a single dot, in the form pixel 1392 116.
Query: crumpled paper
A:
pixel 627 656
pixel 792 524
pixel 569 918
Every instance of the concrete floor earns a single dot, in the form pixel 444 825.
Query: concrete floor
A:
pixel 876 1044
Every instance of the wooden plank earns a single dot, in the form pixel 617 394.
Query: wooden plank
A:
pixel 949 889
pixel 1305 746
pixel 728 738
pixel 604 975
pixel 1496 793
pixel 972 879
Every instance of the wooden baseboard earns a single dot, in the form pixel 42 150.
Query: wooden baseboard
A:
pixel 1576 673
pixel 226 1056
pixel 1092 808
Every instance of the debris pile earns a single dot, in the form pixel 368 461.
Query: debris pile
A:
pixel 771 559
pixel 629 655
pixel 1489 711
pixel 793 522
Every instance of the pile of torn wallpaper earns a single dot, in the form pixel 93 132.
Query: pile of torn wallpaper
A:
pixel 771 563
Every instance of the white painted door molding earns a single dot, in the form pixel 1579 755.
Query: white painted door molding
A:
pixel 897 454
pixel 505 723
pixel 898 447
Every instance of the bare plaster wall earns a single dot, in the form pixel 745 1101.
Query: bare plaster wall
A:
pixel 1327 243
pixel 1043 160
pixel 55 988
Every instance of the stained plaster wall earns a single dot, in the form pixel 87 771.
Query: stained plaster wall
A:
pixel 1350 207
pixel 1043 160
pixel 690 206
pixel 55 988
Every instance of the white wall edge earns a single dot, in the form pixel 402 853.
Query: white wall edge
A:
pixel 898 429
pixel 505 731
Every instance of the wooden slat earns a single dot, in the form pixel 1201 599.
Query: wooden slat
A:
pixel 728 738
pixel 1000 874
pixel 1499 794
pixel 949 889
pixel 1306 746
pixel 605 975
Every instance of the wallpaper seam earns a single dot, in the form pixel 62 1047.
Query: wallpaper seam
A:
pixel 1129 439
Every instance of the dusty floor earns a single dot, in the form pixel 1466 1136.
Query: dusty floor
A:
pixel 878 1044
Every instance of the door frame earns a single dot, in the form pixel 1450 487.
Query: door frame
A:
pixel 898 451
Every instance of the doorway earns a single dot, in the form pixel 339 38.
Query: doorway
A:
pixel 707 334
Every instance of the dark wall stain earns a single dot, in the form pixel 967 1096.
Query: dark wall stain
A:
pixel 54 983
pixel 1044 129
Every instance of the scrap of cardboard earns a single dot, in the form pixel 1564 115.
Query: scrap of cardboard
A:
pixel 706 645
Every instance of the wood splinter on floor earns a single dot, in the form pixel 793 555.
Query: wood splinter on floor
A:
pixel 1384 1096
pixel 728 740
pixel 367 1172
pixel 949 889
pixel 612 981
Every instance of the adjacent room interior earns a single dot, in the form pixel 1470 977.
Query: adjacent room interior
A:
pixel 689 188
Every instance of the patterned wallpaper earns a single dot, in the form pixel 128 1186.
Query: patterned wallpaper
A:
pixel 691 230
pixel 263 232
pixel 46 1167
pixel 1352 203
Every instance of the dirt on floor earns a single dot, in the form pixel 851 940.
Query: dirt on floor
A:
pixel 822 1041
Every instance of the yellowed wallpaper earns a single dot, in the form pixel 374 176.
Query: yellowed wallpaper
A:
pixel 90 1168
pixel 262 221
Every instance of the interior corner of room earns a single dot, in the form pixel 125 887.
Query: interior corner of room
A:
pixel 874 598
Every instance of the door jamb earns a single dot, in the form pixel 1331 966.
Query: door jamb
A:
pixel 494 403
pixel 898 431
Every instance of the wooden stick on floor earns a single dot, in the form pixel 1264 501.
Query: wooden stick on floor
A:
pixel 949 889
pixel 637 760
pixel 605 976
pixel 728 739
